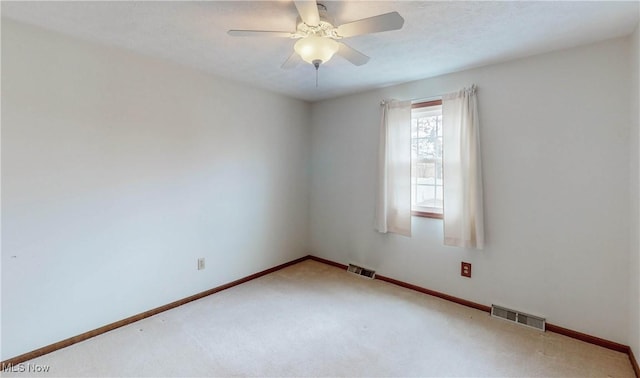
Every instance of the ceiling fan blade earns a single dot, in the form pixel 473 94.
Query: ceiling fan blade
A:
pixel 293 60
pixel 259 33
pixel 352 55
pixel 308 11
pixel 375 24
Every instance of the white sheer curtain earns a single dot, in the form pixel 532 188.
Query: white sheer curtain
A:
pixel 463 208
pixel 393 203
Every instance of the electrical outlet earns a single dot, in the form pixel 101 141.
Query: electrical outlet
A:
pixel 201 263
pixel 465 269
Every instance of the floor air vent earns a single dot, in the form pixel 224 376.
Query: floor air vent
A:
pixel 361 271
pixel 518 317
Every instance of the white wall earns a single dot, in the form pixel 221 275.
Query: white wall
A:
pixel 555 151
pixel 634 273
pixel 119 171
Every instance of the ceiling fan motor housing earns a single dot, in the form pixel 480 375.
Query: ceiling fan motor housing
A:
pixel 324 28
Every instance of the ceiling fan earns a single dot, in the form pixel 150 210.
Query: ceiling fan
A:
pixel 319 40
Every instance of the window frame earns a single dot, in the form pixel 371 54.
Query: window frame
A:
pixel 426 214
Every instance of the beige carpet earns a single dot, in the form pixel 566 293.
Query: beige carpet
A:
pixel 315 320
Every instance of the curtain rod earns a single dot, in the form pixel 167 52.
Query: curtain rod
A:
pixel 431 98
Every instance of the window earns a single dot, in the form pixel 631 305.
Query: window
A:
pixel 426 159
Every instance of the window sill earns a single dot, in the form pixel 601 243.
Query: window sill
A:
pixel 425 214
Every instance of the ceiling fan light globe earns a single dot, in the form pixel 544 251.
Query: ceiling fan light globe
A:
pixel 316 48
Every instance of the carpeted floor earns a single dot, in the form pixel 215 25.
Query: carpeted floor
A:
pixel 316 320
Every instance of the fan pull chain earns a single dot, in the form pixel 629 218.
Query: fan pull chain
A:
pixel 316 64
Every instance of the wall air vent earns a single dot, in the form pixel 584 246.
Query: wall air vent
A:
pixel 518 317
pixel 368 273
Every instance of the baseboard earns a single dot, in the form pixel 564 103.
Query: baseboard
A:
pixel 549 327
pixel 434 293
pixel 132 319
pixel 588 338
pixel 328 262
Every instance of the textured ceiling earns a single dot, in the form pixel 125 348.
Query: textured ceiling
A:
pixel 437 37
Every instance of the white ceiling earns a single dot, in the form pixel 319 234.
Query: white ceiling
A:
pixel 437 37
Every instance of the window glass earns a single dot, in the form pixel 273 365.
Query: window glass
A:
pixel 426 159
